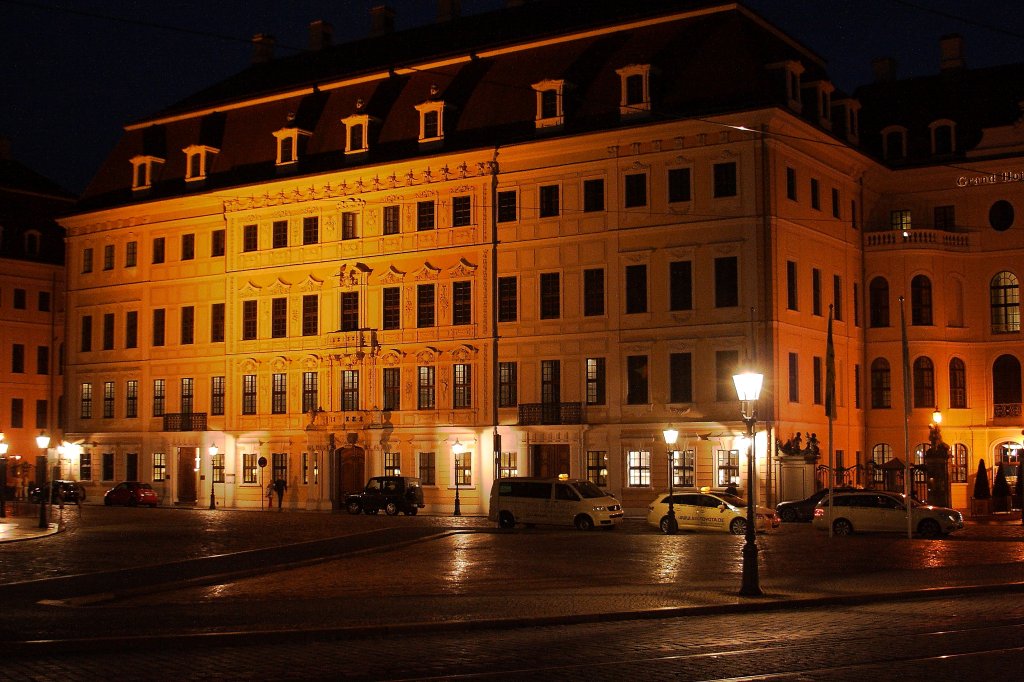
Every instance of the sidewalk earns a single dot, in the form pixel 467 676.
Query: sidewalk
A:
pixel 25 526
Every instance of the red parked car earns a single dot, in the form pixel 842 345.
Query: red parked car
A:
pixel 131 493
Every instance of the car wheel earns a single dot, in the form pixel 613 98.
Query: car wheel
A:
pixel 506 520
pixel 669 525
pixel 842 527
pixel 132 502
pixel 411 511
pixel 929 528
pixel 106 501
pixel 354 507
pixel 738 526
pixel 788 515
pixel 391 509
pixel 584 522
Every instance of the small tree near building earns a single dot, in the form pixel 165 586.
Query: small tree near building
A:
pixel 981 503
pixel 1001 491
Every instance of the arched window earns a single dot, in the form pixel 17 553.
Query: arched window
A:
pixel 1006 386
pixel 881 388
pixel 958 464
pixel 1005 299
pixel 880 454
pixel 920 301
pixel 878 297
pixel 924 382
pixel 957 384
pixel 919 452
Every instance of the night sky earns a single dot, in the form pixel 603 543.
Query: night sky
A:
pixel 73 72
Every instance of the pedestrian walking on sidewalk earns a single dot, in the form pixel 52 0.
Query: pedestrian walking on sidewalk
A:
pixel 280 486
pixel 270 495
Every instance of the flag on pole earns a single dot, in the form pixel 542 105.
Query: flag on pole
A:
pixel 906 361
pixel 830 372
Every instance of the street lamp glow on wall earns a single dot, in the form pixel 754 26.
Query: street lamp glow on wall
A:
pixel 457 450
pixel 748 390
pixel 671 525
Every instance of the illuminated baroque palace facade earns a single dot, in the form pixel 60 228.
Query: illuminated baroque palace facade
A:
pixel 547 246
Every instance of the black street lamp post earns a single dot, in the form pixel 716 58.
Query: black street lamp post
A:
pixel 457 450
pixel 213 453
pixel 43 442
pixel 671 524
pixel 748 388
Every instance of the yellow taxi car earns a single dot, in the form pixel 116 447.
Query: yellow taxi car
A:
pixel 706 510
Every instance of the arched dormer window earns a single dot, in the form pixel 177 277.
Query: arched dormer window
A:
pixel 432 120
pixel 550 103
pixel 943 137
pixel 894 143
pixel 1004 299
pixel 289 145
pixel 635 88
pixel 143 168
pixel 357 133
pixel 197 159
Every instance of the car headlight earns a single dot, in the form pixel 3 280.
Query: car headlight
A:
pixel 600 509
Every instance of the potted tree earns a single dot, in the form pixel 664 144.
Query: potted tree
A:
pixel 1001 492
pixel 981 502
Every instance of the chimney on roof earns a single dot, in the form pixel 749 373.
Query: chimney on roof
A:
pixel 321 35
pixel 884 69
pixel 262 48
pixel 448 9
pixel 382 20
pixel 951 50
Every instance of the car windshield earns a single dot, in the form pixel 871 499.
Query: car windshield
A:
pixel 732 499
pixel 589 490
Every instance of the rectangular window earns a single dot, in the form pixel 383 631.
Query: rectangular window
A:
pixel 508 390
pixel 348 225
pixel 636 190
pixel 188 321
pixel 683 468
pixel 86 260
pixel 596 381
pixel 392 308
pixel 462 386
pixel 791 184
pixel 131 254
pixel 217 395
pixel 248 394
pixel 131 399
pixel 794 378
pixel 680 369
pixel 159 315
pixel 508 306
pixel 463 467
pixel 217 467
pixel 159 467
pixel 593 292
pixel 727 291
pixel 792 290
pixel 310 391
pixel 638 464
pixel 250 238
pixel 856 304
pixel 187 395
pixel 550 296
pixel 816 374
pixel 508 206
pixel 424 215
pixel 18 413
pixel 636 380
pixel 597 467
pixel 42 359
pixel 311 314
pixel 108 257
pixel 131 329
pixel 248 320
pixel 728 462
pixel 726 362
pixel 18 358
pixel 593 195
pixel 680 274
pixel 636 289
pixel 550 382
pixel 108 331
pixel 279 234
pixel 86 339
pixel 279 466
pixel 462 303
pixel 725 179
pixel 278 318
pixel 462 211
pixel 425 388
pixel 279 393
pixel 217 323
pixel 310 230
pixel 107 466
pixel 549 201
pixel 837 297
pixel 392 464
pixel 815 291
pixel 392 219
pixel 815 195
pixel 158 250
pixel 85 402
pixel 159 397
pixel 856 386
pixel 217 243
pixel 108 399
pixel 900 220
pixel 188 247
pixel 350 390
pixel 507 465
pixel 835 203
pixel 20 299
pixel 427 468
pixel 424 305
pixel 678 185
pixel 249 467
pixel 392 389
pixel 944 217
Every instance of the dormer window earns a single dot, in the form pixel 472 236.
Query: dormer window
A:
pixel 550 96
pixel 357 127
pixel 894 143
pixel 288 144
pixel 635 89
pixel 33 240
pixel 197 158
pixel 848 115
pixel 943 137
pixel 823 95
pixel 791 72
pixel 431 121
pixel 142 171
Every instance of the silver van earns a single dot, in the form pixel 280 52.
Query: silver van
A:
pixel 554 501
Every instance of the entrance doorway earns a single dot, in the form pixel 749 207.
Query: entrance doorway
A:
pixel 348 473
pixel 548 461
pixel 187 475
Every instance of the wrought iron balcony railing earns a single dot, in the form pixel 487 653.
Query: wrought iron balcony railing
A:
pixel 185 421
pixel 532 414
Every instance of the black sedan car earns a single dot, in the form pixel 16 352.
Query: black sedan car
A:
pixel 393 494
pixel 803 510
pixel 70 492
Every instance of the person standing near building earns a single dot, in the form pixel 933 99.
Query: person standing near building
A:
pixel 279 487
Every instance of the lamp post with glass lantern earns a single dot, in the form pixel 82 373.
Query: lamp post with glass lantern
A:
pixel 748 389
pixel 457 450
pixel 213 453
pixel 3 477
pixel 671 524
pixel 42 442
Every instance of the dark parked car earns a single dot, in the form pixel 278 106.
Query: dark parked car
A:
pixel 131 493
pixel 803 510
pixel 71 491
pixel 393 494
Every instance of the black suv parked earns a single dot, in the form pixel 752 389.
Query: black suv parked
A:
pixel 71 491
pixel 393 494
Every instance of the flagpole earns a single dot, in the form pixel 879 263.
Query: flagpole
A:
pixel 906 419
pixel 830 412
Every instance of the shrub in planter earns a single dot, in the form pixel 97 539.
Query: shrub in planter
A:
pixel 981 502
pixel 1001 492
